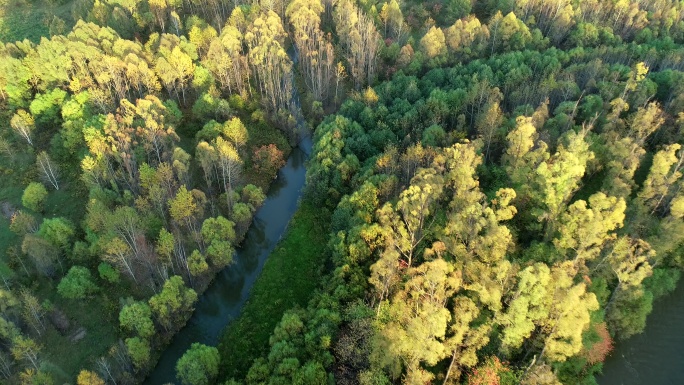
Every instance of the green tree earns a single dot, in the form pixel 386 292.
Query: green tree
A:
pixel 219 233
pixel 488 124
pixel 173 303
pixel 184 209
pixel 77 283
pixel 528 307
pixel 58 231
pixel 522 158
pixel 137 317
pixel 583 231
pixel 418 321
pixel 465 339
pixel 559 178
pixel 34 196
pixel 139 351
pixel 199 365
pixel 108 273
pixel 666 170
pixel 197 264
pixel 26 349
pixel 569 314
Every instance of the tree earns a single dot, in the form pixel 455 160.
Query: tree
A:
pixel 185 209
pixel 528 307
pixel 559 177
pixel 227 61
pixel 175 68
pixel 23 124
pixel 508 33
pixel 24 348
pixel 522 158
pixel 465 339
pixel 569 315
pixel 236 132
pixel 126 227
pixel 173 303
pixel 199 365
pixel 230 166
pixel 628 311
pixel 433 43
pixel 540 374
pixel 489 372
pixel 166 244
pixel 488 124
pixel 154 123
pixel 359 39
pixel 34 196
pixel 406 224
pixel 630 260
pixel 57 231
pixel 120 254
pixel 86 377
pixel 197 264
pixel 219 233
pixel 23 223
pixel 665 171
pixel 418 321
pixel 271 66
pixel 32 311
pixel 43 253
pixel 48 169
pixel 625 157
pixel 393 20
pixel 108 273
pixel 268 159
pixel 253 196
pixel 77 284
pixel 137 317
pixel 473 233
pixel 583 231
pixel 138 351
pixel 316 53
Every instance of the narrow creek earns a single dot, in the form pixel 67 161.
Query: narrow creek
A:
pixel 656 356
pixel 227 294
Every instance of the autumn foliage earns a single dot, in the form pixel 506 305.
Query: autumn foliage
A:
pixel 489 373
pixel 268 159
pixel 600 350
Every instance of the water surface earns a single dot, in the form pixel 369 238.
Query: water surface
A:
pixel 227 294
pixel 656 356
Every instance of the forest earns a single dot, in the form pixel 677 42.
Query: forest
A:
pixel 495 193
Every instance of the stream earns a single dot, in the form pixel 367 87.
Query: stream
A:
pixel 656 356
pixel 227 294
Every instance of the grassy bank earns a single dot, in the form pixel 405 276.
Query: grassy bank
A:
pixel 290 276
pixel 21 19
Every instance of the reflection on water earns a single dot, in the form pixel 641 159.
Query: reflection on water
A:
pixel 656 356
pixel 224 298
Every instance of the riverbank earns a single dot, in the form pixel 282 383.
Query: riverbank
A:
pixel 224 299
pixel 654 356
pixel 288 279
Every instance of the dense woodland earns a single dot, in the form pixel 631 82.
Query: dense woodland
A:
pixel 502 179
